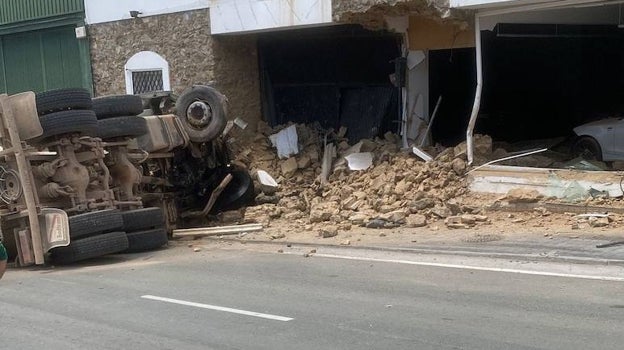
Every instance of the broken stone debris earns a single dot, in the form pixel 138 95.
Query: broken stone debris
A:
pixel 391 187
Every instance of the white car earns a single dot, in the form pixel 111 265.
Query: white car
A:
pixel 600 140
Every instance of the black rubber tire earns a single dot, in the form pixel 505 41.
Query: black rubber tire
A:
pixel 68 122
pixel 121 127
pixel 212 98
pixel 588 148
pixel 90 247
pixel 63 99
pixel 142 241
pixel 89 224
pixel 238 193
pixel 142 219
pixel 117 106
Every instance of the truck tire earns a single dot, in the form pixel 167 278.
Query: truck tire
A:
pixel 89 224
pixel 142 219
pixel 142 241
pixel 90 247
pixel 121 127
pixel 117 106
pixel 201 110
pixel 68 122
pixel 63 99
pixel 239 192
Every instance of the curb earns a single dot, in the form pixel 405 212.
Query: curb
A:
pixel 439 251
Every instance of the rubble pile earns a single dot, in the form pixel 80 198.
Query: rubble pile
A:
pixel 396 189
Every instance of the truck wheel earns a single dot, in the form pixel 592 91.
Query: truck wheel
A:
pixel 89 224
pixel 142 219
pixel 238 193
pixel 62 99
pixel 68 122
pixel 202 112
pixel 90 247
pixel 117 106
pixel 121 127
pixel 143 241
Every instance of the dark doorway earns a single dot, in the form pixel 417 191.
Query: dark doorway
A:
pixel 337 76
pixel 541 81
pixel 452 75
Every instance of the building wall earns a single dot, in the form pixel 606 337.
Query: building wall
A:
pixel 194 57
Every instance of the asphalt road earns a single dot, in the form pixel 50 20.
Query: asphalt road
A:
pixel 243 299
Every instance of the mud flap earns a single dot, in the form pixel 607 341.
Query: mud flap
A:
pixel 54 230
pixel 54 225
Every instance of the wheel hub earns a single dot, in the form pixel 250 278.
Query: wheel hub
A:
pixel 199 114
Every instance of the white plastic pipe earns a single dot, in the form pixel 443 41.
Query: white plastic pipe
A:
pixel 479 89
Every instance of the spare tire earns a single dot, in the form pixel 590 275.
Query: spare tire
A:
pixel 62 99
pixel 117 105
pixel 90 247
pixel 68 122
pixel 121 126
pixel 202 112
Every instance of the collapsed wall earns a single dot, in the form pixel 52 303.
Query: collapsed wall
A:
pixel 397 188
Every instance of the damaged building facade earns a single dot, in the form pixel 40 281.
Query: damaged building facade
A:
pixel 432 72
pixel 297 61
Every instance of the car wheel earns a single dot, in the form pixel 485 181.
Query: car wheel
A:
pixel 588 148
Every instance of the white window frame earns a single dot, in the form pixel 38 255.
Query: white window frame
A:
pixel 146 61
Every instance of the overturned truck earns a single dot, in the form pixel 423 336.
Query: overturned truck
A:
pixel 81 177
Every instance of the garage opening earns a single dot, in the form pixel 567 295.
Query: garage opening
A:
pixel 545 73
pixel 336 76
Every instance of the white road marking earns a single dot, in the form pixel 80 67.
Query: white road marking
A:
pixel 219 308
pixel 469 267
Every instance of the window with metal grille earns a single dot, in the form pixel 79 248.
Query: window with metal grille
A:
pixel 147 81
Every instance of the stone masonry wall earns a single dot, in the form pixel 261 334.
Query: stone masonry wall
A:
pixel 237 76
pixel 370 13
pixel 194 56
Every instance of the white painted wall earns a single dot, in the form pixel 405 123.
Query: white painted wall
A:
pixel 100 11
pixel 235 16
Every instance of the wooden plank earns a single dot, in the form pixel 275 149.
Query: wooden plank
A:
pixel 217 231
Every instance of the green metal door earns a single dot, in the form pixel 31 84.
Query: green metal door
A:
pixel 40 60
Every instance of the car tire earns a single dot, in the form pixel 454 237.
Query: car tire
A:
pixel 142 219
pixel 142 241
pixel 588 148
pixel 90 247
pixel 89 224
pixel 68 122
pixel 201 110
pixel 62 99
pixel 121 127
pixel 117 106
